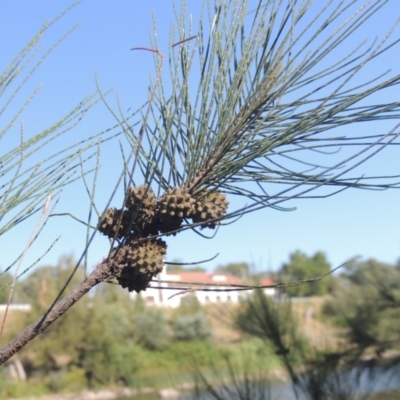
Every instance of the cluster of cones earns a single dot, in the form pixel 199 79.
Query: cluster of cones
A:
pixel 136 261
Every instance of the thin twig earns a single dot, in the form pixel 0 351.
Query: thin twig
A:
pixel 237 288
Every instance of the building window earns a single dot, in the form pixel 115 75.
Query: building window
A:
pixel 228 298
pixel 218 298
pixel 207 299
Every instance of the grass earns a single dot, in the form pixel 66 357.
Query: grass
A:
pixel 176 364
pixel 392 395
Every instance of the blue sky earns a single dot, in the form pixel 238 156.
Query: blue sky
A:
pixel 352 223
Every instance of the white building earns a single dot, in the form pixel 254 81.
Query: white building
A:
pixel 171 286
pixel 15 307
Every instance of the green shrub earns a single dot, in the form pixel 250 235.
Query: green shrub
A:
pixel 91 347
pixel 71 380
pixel 151 330
pixel 191 327
pixel 189 305
pixel 333 313
pixel 11 388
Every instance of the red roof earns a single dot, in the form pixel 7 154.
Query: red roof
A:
pixel 267 282
pixel 207 278
pixel 203 277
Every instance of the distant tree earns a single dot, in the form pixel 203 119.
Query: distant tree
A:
pixel 369 271
pixel 301 267
pixel 189 305
pixel 111 293
pixel 151 329
pixel 175 268
pixel 370 302
pixel 4 280
pixel 196 268
pixel 87 348
pixel 107 351
pixel 241 270
pixel 191 327
pixel 184 268
pixel 41 287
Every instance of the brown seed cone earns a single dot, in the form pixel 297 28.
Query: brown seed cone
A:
pixel 211 204
pixel 134 264
pixel 175 205
pixel 140 197
pixel 115 223
pixel 169 225
pixel 141 202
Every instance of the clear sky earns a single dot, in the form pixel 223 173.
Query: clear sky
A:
pixel 352 223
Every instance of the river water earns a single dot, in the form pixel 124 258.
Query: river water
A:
pixel 377 381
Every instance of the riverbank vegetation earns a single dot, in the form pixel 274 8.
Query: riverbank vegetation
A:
pixel 110 340
pixel 351 352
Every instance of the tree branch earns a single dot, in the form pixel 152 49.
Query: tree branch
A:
pixel 101 273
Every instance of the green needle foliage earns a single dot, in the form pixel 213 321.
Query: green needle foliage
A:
pixel 33 170
pixel 256 93
pixel 25 182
